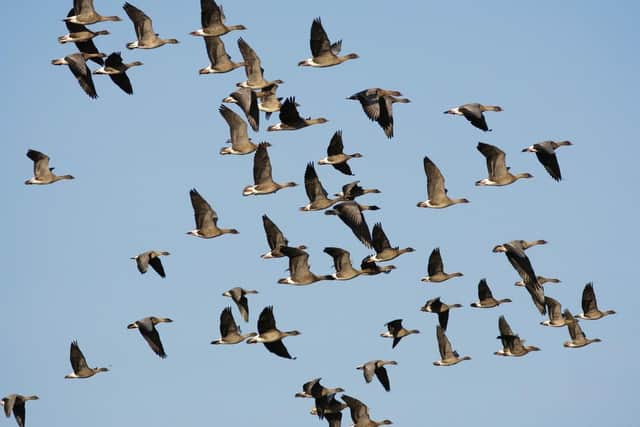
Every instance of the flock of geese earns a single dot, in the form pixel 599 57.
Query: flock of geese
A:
pixel 257 94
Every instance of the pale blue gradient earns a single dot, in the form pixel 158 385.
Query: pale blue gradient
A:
pixel 561 70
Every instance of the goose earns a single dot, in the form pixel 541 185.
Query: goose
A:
pixel 42 173
pixel 253 68
pixel 384 251
pixel 316 193
pixel 512 345
pixel 275 239
pixel 82 37
pixel 499 174
pixel 77 63
pixel 524 244
pixel 474 113
pixel 290 118
pixel 239 138
pixel 376 367
pixel 351 214
pixel 485 297
pixel 238 295
pixel 15 403
pixel 299 268
pixel 150 258
pixel 206 218
pixel 335 155
pixel 370 268
pixel 352 190
pixel 435 269
pixel 590 309
pixel 268 101
pixel 546 154
pixel 368 99
pixel 541 280
pixel 85 14
pixel 147 37
pixel 270 335
pixel 248 101
pixel 79 364
pixel 578 338
pixel 342 263
pixel 322 395
pixel 229 330
pixel 448 356
pixel 117 71
pixel 514 250
pixel 435 305
pixel 147 328
pixel 262 180
pixel 220 61
pixel 212 19
pixel 397 331
pixel 332 411
pixel 360 413
pixel 324 54
pixel 554 309
pixel 436 191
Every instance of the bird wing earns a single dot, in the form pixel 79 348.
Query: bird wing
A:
pixel 298 261
pixel 252 65
pixel 547 157
pixel 278 348
pixel 247 100
pixel 435 180
pixel 336 145
pixel 237 128
pixel 210 13
pixel 444 346
pixel 496 166
pixel 443 319
pixel 383 377
pixel 473 113
pixel 266 321
pixel 504 328
pixel 83 7
pixel 343 167
pixel 554 308
pixel 520 261
pixel 243 307
pixel 341 258
pixel 313 187
pixel 122 81
pixel 589 303
pixel 261 165
pixel 358 409
pixel 80 70
pixel 40 164
pixel 575 331
pixel 156 264
pixel 227 323
pixel 319 41
pixel 289 112
pixel 435 262
pixel 483 290
pixel 8 403
pixel 141 22
pixel 380 241
pixel 369 370
pixel 78 362
pixel 151 336
pixel 205 216
pixel 385 118
pixel 275 238
pixel 350 214
pixel 369 104
pixel 394 326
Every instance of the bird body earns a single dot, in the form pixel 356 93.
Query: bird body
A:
pixel 150 258
pixel 324 53
pixel 206 218
pixel 147 37
pixel 79 364
pixel 42 173
pixel 147 328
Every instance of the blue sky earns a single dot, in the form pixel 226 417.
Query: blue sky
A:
pixel 559 70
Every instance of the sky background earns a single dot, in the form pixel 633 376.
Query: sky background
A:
pixel 560 70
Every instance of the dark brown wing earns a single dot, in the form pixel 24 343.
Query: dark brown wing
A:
pixel 261 165
pixel 496 161
pixel 312 185
pixel 435 180
pixel 343 167
pixel 275 238
pixel 483 290
pixel 547 157
pixel 589 303
pixel 80 70
pixel 156 264
pixel 248 101
pixel 203 213
pixel 122 81
pixel 520 261
pixel 252 66
pixel 227 323
pixel 394 326
pixel 319 41
pixel 475 116
pixel 19 412
pixel 335 145
pixel 289 113
pixel 385 117
pixel 266 321
pixel 383 377
pixel 443 319
pixel 350 214
pixel 78 362
pixel 380 241
pixel 435 263
pixel 278 348
pixel 210 13
pixel 151 336
pixel 141 22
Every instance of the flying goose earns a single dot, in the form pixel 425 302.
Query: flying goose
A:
pixel 512 345
pixel 332 411
pixel 253 68
pixel 546 154
pixel 42 173
pixel 554 309
pixel 147 37
pixel 85 14
pixel 220 61
pixel 485 297
pixel 299 268
pixel 79 364
pixel 448 356
pixel 377 105
pixel 435 269
pixel 322 395
pixel 248 101
pixel 474 113
pixel 436 191
pixel 270 335
pixel 370 268
pixel 514 250
pixel 238 295
pixel 351 214
pixel 541 280
pixel 275 239
pixel 578 338
pixel 147 328
pixel 82 37
pixel 380 243
pixel 229 330
pixel 385 116
pixel 262 180
pixel 316 193
pixel 150 258
pixel 342 263
pixel 206 218
pixel 117 71
pixel 239 137
pixel 524 244
pixel 335 155
pixel 590 309
pixel 212 19
pixel 290 118
pixel 324 53
pixel 268 101
pixel 397 331
pixel 15 403
pixel 77 63
pixel 435 305
pixel 376 367
pixel 352 190
pixel 360 413
pixel 499 174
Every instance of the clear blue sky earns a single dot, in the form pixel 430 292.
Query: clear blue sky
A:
pixel 560 70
